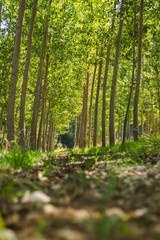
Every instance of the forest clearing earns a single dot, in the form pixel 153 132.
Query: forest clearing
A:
pixel 79 120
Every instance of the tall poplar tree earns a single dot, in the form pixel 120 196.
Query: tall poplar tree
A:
pixel 114 79
pixel 14 73
pixel 37 97
pixel 25 75
pixel 136 98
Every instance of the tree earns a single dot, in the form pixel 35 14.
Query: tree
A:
pixel 114 81
pixel 38 89
pixel 105 83
pixel 14 74
pixel 90 107
pixel 132 82
pixel 25 75
pixel 136 98
pixel 96 103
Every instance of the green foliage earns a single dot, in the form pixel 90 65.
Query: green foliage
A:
pixel 19 158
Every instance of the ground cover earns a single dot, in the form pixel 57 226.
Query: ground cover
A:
pixel 91 194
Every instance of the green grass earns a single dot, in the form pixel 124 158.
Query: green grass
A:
pixel 135 151
pixel 19 158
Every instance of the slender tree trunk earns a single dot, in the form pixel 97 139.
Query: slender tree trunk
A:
pixel 104 87
pixel 152 120
pixel 14 73
pixel 156 128
pixel 75 133
pixel 84 114
pixel 136 98
pixel 90 108
pixel 104 97
pixel 25 75
pixel 52 131
pixel 142 122
pixel 129 135
pixel 43 106
pixel 79 130
pixel 132 83
pixel 52 138
pixel 147 123
pixel 96 105
pixel 45 130
pixel 38 90
pixel 1 118
pixel 114 81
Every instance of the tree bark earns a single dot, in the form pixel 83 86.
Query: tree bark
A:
pixel 142 122
pixel 38 90
pixel 104 97
pixel 52 138
pixel 43 106
pixel 90 108
pixel 114 81
pixel 96 105
pixel 152 120
pixel 25 75
pixel 45 130
pixel 105 84
pixel 83 127
pixel 1 118
pixel 14 73
pixel 147 124
pixel 132 83
pixel 136 98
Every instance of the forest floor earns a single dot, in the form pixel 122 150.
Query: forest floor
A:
pixel 80 196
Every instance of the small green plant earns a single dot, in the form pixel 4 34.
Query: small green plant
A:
pixel 19 158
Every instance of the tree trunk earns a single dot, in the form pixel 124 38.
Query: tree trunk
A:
pixel 147 123
pixel 79 129
pixel 45 129
pixel 104 97
pixel 142 122
pixel 90 108
pixel 129 135
pixel 114 81
pixel 84 114
pixel 38 90
pixel 52 138
pixel 152 120
pixel 136 98
pixel 96 105
pixel 1 118
pixel 133 74
pixel 43 106
pixel 25 75
pixel 104 87
pixel 75 133
pixel 14 73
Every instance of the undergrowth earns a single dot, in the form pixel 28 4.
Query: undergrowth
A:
pixel 22 158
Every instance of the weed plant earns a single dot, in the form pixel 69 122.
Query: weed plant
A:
pixel 19 158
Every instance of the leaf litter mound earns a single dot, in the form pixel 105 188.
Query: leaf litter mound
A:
pixel 81 197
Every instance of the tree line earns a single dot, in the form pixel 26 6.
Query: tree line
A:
pixel 95 63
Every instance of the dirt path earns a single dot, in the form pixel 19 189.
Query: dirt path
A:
pixel 61 199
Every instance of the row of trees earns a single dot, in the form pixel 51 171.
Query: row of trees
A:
pixel 93 61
